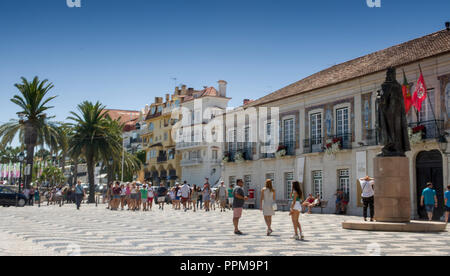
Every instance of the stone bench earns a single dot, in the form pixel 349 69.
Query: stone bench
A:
pixel 323 204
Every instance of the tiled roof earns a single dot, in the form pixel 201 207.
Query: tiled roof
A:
pixel 207 92
pixel 428 46
pixel 126 117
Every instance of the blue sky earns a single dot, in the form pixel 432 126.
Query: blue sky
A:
pixel 125 52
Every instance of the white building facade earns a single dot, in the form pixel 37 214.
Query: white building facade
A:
pixel 339 105
pixel 200 146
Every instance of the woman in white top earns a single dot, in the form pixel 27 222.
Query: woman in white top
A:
pixel 267 201
pixel 151 195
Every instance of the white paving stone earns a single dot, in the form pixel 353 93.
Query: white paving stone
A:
pixel 53 230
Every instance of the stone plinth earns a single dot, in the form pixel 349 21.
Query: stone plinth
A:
pixel 392 189
pixel 413 226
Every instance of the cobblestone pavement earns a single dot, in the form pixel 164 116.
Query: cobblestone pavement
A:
pixel 96 231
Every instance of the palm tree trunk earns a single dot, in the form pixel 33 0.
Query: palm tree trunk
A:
pixel 91 177
pixel 30 138
pixel 30 162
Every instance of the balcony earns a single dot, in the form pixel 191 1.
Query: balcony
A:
pixel 430 129
pixel 161 159
pixel 345 140
pixel 247 154
pixel 371 138
pixel 267 155
pixel 313 145
pixel 192 162
pixel 187 145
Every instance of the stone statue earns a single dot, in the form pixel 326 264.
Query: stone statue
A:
pixel 392 123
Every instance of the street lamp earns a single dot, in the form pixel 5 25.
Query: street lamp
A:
pixel 443 143
pixel 21 158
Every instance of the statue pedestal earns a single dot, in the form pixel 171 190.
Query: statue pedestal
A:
pixel 392 201
pixel 392 189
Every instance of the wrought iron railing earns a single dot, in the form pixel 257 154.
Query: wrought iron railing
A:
pixel 345 140
pixel 313 145
pixel 430 129
pixel 161 159
pixel 371 137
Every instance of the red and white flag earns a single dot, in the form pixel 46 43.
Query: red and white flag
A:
pixel 420 94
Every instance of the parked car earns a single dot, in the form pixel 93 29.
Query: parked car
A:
pixel 8 198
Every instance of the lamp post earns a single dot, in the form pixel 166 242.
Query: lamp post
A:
pixel 21 158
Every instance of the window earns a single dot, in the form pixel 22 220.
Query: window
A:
pixel 166 136
pixel 317 183
pixel 288 179
pixel 248 144
pixel 232 141
pixel 344 181
pixel 426 113
pixel 342 122
pixel 215 155
pixel 151 127
pixel 316 128
pixel 288 136
pixel 193 155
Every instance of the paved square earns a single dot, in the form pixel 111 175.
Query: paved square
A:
pixel 96 231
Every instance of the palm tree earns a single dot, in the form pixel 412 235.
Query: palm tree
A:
pixel 34 126
pixel 93 138
pixel 9 155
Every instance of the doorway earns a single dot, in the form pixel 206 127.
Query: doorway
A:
pixel 429 169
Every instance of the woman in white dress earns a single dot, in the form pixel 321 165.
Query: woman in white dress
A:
pixel 267 201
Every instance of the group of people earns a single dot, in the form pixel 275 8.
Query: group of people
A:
pixel 268 206
pixel 32 195
pixel 188 198
pixel 428 199
pixel 142 197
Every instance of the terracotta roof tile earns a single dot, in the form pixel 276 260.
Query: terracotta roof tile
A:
pixel 428 46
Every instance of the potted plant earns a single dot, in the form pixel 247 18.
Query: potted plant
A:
pixel 416 135
pixel 281 151
pixel 226 157
pixel 333 146
pixel 239 157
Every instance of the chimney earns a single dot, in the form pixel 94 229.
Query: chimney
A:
pixel 183 89
pixel 447 26
pixel 246 101
pixel 222 88
pixel 167 97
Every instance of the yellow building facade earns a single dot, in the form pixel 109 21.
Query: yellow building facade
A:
pixel 162 160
